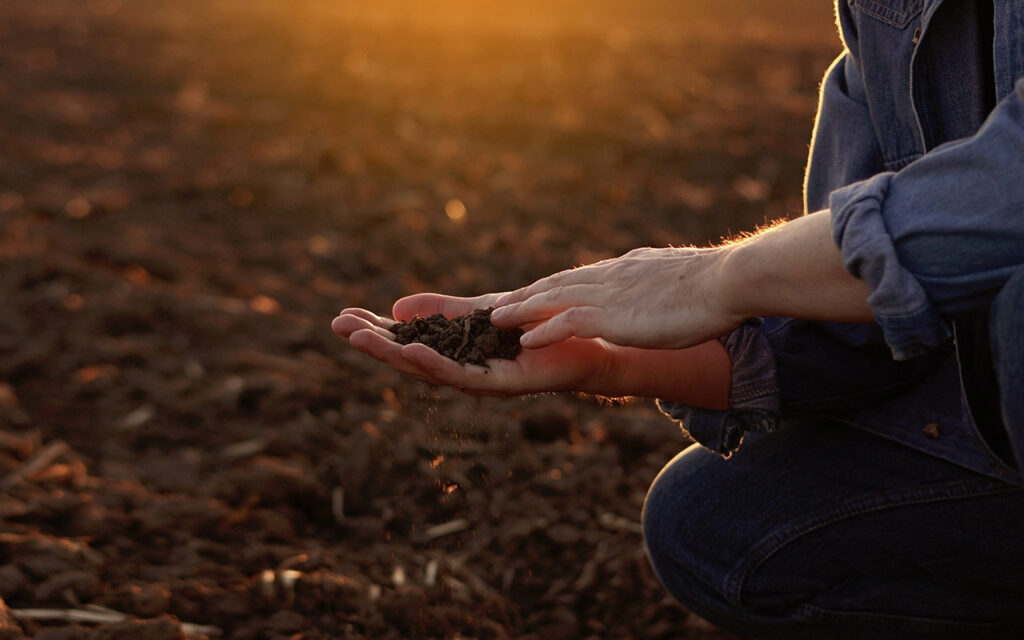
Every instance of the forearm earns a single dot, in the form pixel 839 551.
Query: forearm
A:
pixel 793 269
pixel 681 297
pixel 698 376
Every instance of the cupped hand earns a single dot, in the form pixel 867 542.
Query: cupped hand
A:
pixel 649 298
pixel 573 364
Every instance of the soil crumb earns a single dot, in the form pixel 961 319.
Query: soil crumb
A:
pixel 470 338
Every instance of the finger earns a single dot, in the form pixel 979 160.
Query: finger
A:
pixel 348 323
pixel 545 305
pixel 579 322
pixel 369 316
pixel 468 378
pixel 379 347
pixel 380 321
pixel 589 274
pixel 427 304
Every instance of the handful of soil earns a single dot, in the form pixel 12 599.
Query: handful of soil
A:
pixel 466 339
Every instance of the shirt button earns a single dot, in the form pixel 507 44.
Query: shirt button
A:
pixel 917 35
pixel 933 430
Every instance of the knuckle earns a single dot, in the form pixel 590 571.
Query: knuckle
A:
pixel 573 315
pixel 639 253
pixel 576 318
pixel 557 293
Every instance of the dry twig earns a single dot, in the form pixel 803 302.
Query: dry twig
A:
pixel 41 460
pixel 101 616
pixel 444 529
pixel 338 504
pixel 430 573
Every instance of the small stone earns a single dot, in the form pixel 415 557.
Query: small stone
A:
pixel 933 430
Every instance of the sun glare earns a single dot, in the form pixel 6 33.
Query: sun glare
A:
pixel 455 210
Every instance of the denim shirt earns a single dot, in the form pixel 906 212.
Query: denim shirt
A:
pixel 925 182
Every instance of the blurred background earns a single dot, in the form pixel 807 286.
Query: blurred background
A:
pixel 190 191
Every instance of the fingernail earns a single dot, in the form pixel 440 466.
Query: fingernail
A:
pixel 502 299
pixel 498 313
pixel 526 339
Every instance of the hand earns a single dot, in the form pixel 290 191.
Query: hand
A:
pixel 579 365
pixel 649 298
pixel 698 376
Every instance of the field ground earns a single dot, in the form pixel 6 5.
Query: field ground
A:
pixel 190 191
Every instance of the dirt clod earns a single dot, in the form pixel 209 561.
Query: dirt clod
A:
pixel 467 339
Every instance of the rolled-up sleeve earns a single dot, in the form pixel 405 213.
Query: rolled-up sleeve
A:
pixel 911 324
pixel 753 394
pixel 940 236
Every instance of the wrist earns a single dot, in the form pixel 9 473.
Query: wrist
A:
pixel 607 375
pixel 739 281
pixel 792 269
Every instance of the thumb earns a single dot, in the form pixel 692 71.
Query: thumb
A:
pixel 426 304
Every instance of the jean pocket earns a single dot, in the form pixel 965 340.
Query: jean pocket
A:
pixel 897 13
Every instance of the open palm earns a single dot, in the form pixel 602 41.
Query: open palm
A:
pixel 575 364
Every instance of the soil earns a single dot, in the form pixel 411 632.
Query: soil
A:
pixel 191 190
pixel 469 338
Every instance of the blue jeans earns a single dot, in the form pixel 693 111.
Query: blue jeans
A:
pixel 822 530
pixel 1007 341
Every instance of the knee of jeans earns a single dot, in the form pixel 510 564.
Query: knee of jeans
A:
pixel 702 519
pixel 662 516
pixel 657 519
pixel 683 544
pixel 693 539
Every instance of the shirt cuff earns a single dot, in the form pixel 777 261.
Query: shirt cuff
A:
pixel 910 324
pixel 753 395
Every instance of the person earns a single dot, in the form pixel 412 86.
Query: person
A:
pixel 852 376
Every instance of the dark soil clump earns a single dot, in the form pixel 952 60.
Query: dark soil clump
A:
pixel 466 339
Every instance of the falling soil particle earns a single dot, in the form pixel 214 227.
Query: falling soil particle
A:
pixel 470 338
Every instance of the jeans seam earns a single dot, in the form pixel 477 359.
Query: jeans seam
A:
pixel 866 504
pixel 893 17
pixel 819 613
